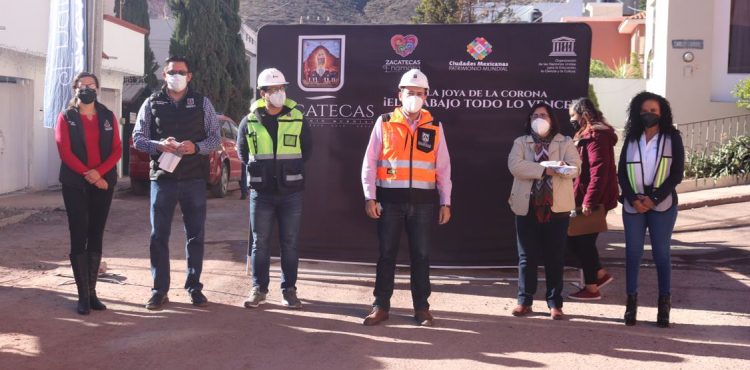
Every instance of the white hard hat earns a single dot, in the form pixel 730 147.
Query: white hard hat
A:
pixel 414 78
pixel 271 77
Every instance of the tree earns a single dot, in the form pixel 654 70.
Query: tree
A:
pixel 445 11
pixel 200 36
pixel 239 74
pixel 436 11
pixel 136 12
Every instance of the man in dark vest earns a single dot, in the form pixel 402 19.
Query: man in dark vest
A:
pixel 177 122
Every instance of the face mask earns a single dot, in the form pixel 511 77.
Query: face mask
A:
pixel 277 99
pixel 649 119
pixel 576 124
pixel 412 104
pixel 540 126
pixel 87 96
pixel 176 82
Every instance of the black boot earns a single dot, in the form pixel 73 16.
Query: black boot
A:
pixel 662 316
pixel 80 265
pixel 94 260
pixel 631 309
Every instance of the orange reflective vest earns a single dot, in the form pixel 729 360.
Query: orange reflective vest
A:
pixel 408 158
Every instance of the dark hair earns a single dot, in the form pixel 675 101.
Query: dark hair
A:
pixel 586 108
pixel 74 85
pixel 554 127
pixel 177 59
pixel 634 127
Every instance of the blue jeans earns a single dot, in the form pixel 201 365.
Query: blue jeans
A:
pixel 419 220
pixel 243 178
pixel 660 226
pixel 541 243
pixel 165 194
pixel 287 211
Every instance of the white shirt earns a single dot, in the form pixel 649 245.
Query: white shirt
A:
pixel 649 157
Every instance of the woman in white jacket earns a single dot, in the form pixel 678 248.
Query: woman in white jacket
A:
pixel 543 163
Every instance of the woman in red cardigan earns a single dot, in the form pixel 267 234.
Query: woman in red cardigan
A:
pixel 89 145
pixel 595 187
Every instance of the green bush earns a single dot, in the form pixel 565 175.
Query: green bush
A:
pixel 732 158
pixel 742 93
pixel 599 69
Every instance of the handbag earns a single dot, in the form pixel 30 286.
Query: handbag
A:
pixel 580 224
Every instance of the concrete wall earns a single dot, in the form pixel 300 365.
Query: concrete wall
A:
pixel 21 32
pixel 124 47
pixel 689 86
pixel 614 95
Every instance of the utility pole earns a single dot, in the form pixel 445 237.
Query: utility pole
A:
pixel 94 35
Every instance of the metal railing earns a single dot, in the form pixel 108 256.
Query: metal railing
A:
pixel 706 135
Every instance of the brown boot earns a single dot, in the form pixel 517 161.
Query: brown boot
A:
pixel 424 317
pixel 556 313
pixel 521 310
pixel 376 316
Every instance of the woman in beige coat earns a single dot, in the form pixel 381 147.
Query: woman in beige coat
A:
pixel 543 163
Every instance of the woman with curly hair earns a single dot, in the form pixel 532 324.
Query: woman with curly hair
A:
pixel 651 165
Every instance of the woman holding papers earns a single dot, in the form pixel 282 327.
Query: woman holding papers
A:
pixel 543 163
pixel 89 145
pixel 596 190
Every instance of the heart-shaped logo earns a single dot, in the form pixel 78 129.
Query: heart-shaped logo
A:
pixel 404 45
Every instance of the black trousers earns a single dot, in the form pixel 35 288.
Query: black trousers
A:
pixel 87 210
pixel 584 248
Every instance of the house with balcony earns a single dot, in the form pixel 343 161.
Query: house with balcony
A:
pixel 28 154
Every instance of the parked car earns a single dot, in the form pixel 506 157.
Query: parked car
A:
pixel 225 164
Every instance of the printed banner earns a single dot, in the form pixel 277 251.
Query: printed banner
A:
pixel 66 55
pixel 483 78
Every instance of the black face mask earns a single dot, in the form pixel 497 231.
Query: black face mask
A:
pixel 649 120
pixel 87 96
pixel 576 125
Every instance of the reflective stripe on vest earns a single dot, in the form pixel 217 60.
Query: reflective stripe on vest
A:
pixel 408 159
pixel 634 166
pixel 287 138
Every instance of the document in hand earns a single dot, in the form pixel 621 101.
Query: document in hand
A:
pixel 169 161
pixel 561 169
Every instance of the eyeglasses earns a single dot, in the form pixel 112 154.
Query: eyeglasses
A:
pixel 272 90
pixel 87 86
pixel 539 115
pixel 181 73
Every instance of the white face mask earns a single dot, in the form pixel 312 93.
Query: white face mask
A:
pixel 277 99
pixel 412 104
pixel 540 126
pixel 176 82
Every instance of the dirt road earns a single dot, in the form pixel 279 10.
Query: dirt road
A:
pixel 474 329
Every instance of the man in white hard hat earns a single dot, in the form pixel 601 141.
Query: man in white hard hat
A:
pixel 403 177
pixel 274 142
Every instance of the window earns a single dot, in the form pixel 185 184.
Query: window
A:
pixel 739 37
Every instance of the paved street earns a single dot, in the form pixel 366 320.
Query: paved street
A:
pixel 474 328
